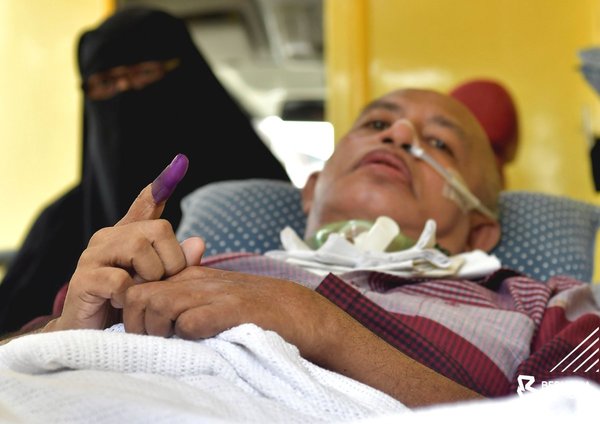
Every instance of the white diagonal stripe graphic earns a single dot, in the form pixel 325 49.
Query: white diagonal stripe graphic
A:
pixel 595 362
pixel 577 347
pixel 579 356
pixel 588 358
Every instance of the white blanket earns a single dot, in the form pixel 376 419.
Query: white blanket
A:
pixel 245 375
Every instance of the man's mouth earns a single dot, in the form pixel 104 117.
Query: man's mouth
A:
pixel 387 162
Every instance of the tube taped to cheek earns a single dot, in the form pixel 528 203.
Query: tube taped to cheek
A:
pixel 455 187
pixel 451 193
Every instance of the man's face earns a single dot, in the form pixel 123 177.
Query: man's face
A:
pixel 371 174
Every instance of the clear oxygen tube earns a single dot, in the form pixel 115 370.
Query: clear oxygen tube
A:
pixel 456 190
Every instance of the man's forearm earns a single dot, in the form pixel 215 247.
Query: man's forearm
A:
pixel 359 354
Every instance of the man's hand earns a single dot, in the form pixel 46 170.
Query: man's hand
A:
pixel 200 302
pixel 139 248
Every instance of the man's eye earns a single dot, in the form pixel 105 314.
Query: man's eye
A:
pixel 440 145
pixel 377 125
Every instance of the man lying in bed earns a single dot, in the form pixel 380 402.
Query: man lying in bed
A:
pixel 421 341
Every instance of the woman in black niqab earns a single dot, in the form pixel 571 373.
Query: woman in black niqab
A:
pixel 128 139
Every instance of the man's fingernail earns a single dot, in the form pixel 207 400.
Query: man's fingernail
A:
pixel 164 185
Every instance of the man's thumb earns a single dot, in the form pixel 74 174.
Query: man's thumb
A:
pixel 151 201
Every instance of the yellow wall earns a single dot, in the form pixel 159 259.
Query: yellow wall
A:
pixel 374 46
pixel 39 105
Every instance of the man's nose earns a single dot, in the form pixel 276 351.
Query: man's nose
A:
pixel 401 133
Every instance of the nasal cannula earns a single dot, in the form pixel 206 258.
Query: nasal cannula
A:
pixel 468 198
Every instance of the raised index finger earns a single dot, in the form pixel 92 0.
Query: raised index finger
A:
pixel 150 203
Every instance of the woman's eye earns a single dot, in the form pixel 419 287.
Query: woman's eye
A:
pixel 105 82
pixel 150 71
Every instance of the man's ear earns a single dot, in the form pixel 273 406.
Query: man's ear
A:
pixel 484 234
pixel 308 191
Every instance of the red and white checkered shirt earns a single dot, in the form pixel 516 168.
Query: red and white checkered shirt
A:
pixel 482 334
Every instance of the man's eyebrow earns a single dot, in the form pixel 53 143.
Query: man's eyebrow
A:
pixel 450 124
pixel 382 104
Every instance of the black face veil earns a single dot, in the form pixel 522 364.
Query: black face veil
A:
pixel 131 137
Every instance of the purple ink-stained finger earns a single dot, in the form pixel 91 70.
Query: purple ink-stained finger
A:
pixel 164 185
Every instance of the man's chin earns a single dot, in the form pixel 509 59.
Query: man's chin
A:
pixel 372 199
pixel 376 190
